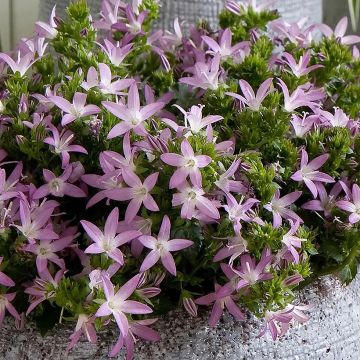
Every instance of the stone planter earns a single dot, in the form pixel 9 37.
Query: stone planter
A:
pixel 192 10
pixel 332 333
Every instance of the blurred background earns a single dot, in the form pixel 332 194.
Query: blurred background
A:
pixel 17 17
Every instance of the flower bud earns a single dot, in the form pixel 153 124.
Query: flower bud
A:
pixel 148 292
pixel 190 306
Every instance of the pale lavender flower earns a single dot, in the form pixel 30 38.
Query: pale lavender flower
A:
pixel 194 119
pixel 43 288
pixel 339 32
pixel 109 14
pixel 84 325
pixel 192 198
pixel 188 164
pixel 224 47
pixel 293 242
pixel 58 185
pixel 240 211
pixel 251 272
pixel 46 30
pixel 236 246
pixel 161 248
pixel 175 39
pixel 299 97
pixel 34 46
pixel 278 322
pixel 132 114
pixel 139 328
pixel 118 305
pixel 111 180
pixel 62 144
pixel 301 68
pixel 105 83
pixel 279 207
pixel 107 241
pixel 115 52
pixel 22 65
pixel 353 206
pixel 338 119
pixel 5 304
pixel 33 224
pixel 303 125
pixel 205 75
pixel 46 251
pixel 222 298
pixel 226 181
pixel 4 279
pixel 138 193
pixel 75 110
pixel 309 173
pixel 326 202
pixel 134 22
pixel 139 224
pixel 295 32
pixel 250 99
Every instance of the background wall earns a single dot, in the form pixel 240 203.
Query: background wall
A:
pixel 17 19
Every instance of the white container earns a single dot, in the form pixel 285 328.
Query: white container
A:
pixel 332 333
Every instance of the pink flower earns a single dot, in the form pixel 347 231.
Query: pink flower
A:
pixel 105 84
pixel 194 119
pixel 134 22
pixel 240 211
pixel 47 30
pixel 353 207
pixel 278 322
pixel 188 165
pixel 299 97
pixel 138 193
pixel 222 298
pixel 339 32
pixel 115 52
pixel 293 242
pixel 326 201
pixel 46 251
pixel 4 279
pixel 75 110
pixel 250 273
pixel 58 186
pixel 139 328
pixel 205 75
pixel 309 174
pixel 161 248
pixel 85 325
pixel 338 119
pixel 226 180
pixel 236 246
pixel 224 47
pixel 5 304
pixel 301 68
pixel 192 199
pixel 279 207
pixel 32 223
pixel 303 125
pixel 132 114
pixel 250 99
pixel 43 288
pixel 116 304
pixel 62 144
pixel 22 65
pixel 108 242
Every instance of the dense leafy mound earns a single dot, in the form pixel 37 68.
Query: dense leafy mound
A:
pixel 141 169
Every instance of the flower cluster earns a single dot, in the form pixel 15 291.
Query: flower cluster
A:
pixel 140 169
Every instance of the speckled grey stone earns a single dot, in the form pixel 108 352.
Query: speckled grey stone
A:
pixel 333 333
